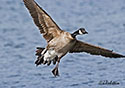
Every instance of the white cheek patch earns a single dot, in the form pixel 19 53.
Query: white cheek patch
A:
pixel 80 32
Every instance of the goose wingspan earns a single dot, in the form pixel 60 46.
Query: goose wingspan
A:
pixel 46 25
pixel 94 50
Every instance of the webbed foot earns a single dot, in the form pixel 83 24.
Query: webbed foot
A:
pixel 55 71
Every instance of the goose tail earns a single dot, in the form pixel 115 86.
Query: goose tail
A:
pixel 40 56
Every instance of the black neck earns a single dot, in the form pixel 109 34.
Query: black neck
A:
pixel 75 33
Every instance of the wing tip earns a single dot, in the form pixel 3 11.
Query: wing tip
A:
pixel 117 56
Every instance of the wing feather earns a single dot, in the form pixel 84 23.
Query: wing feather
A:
pixel 43 21
pixel 94 50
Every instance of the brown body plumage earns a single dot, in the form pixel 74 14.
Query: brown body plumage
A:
pixel 59 42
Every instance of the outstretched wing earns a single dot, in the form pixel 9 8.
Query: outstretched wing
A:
pixel 46 25
pixel 94 50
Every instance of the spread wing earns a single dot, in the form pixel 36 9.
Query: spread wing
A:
pixel 46 25
pixel 94 50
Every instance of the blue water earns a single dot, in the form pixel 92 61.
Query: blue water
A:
pixel 103 19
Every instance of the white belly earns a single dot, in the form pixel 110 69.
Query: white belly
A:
pixel 50 55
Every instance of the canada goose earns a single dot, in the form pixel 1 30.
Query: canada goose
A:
pixel 60 42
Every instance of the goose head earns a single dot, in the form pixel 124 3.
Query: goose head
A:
pixel 80 31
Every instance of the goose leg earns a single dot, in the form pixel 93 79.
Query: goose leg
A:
pixel 55 71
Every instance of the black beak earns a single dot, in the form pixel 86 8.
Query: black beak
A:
pixel 86 32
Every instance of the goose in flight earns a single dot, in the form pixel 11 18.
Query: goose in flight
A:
pixel 60 42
